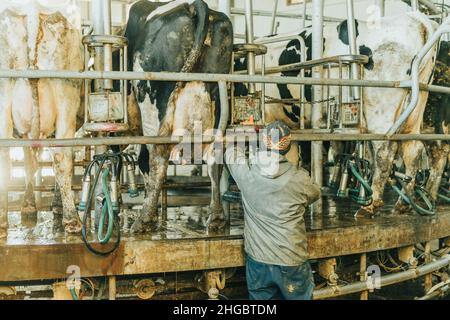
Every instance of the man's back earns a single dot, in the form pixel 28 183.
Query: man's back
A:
pixel 275 194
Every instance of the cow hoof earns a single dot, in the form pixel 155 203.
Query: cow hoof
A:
pixel 401 208
pixel 143 225
pixel 57 223
pixel 216 224
pixel 368 212
pixel 377 204
pixel 3 233
pixel 72 226
pixel 29 210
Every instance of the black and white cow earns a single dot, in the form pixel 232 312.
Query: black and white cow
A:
pixel 178 36
pixel 391 45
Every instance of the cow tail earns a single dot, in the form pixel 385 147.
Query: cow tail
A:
pixel 201 11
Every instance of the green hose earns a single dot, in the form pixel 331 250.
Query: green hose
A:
pixel 355 193
pixel 74 294
pixel 106 210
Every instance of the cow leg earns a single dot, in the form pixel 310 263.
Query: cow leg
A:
pixel 216 220
pixel 384 154
pixel 57 208
pixel 411 152
pixel 68 101
pixel 4 177
pixel 158 164
pixel 29 202
pixel 438 154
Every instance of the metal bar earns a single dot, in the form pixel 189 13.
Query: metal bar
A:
pixel 428 281
pixel 273 28
pixel 362 275
pixel 263 13
pixel 381 4
pixel 353 48
pixel 390 279
pixel 107 30
pixel 250 37
pixel 188 77
pixel 316 118
pixel 115 141
pixel 415 5
pixel 334 60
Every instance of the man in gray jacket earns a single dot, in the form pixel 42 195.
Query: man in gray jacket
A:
pixel 275 195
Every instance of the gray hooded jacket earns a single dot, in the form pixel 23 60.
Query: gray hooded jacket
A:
pixel 275 195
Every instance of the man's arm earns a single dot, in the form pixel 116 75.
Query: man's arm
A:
pixel 308 187
pixel 237 163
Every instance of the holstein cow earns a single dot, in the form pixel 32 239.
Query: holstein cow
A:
pixel 179 36
pixel 40 37
pixel 391 45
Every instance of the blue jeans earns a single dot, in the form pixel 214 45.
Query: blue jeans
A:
pixel 272 282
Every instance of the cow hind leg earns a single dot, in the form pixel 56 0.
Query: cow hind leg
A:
pixel 438 155
pixel 411 152
pixel 4 177
pixel 158 164
pixel 29 202
pixel 384 154
pixel 216 220
pixel 67 101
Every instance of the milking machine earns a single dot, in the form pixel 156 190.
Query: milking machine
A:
pixel 350 173
pixel 352 176
pixel 419 199
pixel 105 114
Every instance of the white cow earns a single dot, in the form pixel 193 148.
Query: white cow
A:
pixel 391 43
pixel 36 35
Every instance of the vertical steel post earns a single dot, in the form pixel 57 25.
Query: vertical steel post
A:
pixel 112 287
pixel 381 4
pixel 273 28
pixel 428 279
pixel 317 52
pixel 107 27
pixel 415 5
pixel 362 275
pixel 351 27
pixel 304 15
pixel 98 28
pixel 250 36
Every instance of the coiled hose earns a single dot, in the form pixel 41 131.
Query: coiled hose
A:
pixel 429 208
pixel 107 210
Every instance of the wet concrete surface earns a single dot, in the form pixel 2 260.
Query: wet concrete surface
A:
pixel 189 223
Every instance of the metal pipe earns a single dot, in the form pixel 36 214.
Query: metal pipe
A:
pixel 250 36
pixel 273 29
pixel 107 30
pixel 387 280
pixel 381 4
pixel 415 5
pixel 304 15
pixel 210 77
pixel 317 52
pixel 98 28
pixel 444 28
pixel 296 136
pixel 263 13
pixel 224 107
pixel 351 27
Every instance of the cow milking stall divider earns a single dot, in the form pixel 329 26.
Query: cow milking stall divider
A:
pixel 210 262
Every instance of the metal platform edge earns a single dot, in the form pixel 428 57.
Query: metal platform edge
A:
pixel 134 257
